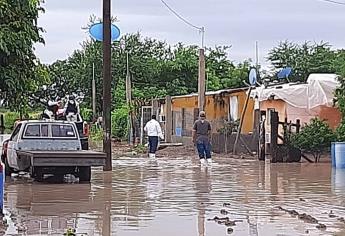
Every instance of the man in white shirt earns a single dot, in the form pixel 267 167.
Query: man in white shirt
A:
pixel 154 131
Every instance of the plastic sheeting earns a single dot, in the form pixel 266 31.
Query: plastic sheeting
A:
pixel 318 91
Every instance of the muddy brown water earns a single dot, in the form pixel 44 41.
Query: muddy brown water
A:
pixel 177 197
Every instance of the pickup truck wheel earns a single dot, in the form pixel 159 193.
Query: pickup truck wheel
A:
pixel 8 169
pixel 37 174
pixel 84 174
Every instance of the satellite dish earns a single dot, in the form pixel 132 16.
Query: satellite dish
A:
pixel 284 73
pixel 96 32
pixel 252 76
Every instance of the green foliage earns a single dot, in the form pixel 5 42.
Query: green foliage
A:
pixel 340 132
pixel 86 114
pixel 314 138
pixel 19 69
pixel 96 133
pixel 119 123
pixel 304 59
pixel 156 69
pixel 10 118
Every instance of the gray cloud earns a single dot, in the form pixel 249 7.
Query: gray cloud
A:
pixel 232 22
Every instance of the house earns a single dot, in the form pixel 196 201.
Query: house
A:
pixel 302 101
pixel 220 107
pixel 177 115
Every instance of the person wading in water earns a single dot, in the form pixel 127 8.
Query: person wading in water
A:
pixel 154 132
pixel 201 138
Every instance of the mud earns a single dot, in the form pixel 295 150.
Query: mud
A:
pixel 175 196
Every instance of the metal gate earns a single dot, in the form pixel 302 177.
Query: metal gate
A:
pixel 146 113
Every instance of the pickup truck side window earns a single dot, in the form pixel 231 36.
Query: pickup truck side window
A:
pixel 32 131
pixel 15 133
pixel 63 131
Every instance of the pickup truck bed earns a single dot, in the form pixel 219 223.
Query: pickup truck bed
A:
pixel 63 158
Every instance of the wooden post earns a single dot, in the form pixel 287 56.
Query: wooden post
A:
pixel 241 120
pixel 201 80
pixel 298 125
pixel 274 136
pixel 168 120
pixel 262 141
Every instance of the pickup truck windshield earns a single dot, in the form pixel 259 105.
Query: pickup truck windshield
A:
pixel 63 131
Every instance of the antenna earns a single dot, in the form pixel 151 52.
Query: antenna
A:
pixel 200 29
pixel 256 55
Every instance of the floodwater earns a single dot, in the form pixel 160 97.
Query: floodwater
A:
pixel 177 197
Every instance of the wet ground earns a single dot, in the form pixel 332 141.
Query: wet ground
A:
pixel 178 197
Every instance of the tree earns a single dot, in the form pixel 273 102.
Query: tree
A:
pixel 304 59
pixel 314 138
pixel 156 69
pixel 19 68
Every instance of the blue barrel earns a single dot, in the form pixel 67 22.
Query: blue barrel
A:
pixel 339 155
pixel 333 154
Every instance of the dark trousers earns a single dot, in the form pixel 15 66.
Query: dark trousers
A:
pixel 204 149
pixel 153 144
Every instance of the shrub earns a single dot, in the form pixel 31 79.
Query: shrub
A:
pixel 340 132
pixel 86 114
pixel 314 138
pixel 119 123
pixel 9 119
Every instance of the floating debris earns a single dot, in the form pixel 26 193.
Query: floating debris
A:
pixel 70 232
pixel 341 219
pixel 293 213
pixel 230 230
pixel 321 226
pixel 301 199
pixel 226 204
pixel 230 223
pixel 224 212
pixel 331 214
pixel 214 218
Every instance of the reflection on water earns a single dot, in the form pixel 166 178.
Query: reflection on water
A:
pixel 177 197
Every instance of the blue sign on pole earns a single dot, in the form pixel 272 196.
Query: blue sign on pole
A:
pixel 96 31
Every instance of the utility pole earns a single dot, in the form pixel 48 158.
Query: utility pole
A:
pixel 201 80
pixel 107 84
pixel 129 100
pixel 93 91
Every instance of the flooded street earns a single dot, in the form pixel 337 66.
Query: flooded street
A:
pixel 178 197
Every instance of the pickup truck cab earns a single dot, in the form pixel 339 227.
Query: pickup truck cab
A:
pixel 49 147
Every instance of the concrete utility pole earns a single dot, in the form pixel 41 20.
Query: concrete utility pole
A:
pixel 201 80
pixel 107 84
pixel 93 91
pixel 129 100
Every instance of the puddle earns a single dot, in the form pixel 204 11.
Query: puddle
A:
pixel 178 197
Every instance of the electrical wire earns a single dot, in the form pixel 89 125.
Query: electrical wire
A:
pixel 333 2
pixel 180 17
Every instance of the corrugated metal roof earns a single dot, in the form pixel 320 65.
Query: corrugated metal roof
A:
pixel 210 93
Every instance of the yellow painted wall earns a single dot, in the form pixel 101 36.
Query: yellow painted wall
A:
pixel 217 108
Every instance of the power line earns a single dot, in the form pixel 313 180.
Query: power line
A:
pixel 333 2
pixel 180 17
pixel 200 29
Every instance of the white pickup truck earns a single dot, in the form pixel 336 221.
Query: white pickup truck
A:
pixel 49 147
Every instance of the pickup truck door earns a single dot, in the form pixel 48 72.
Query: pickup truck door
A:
pixel 13 147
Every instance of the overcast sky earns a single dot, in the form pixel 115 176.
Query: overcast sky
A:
pixel 228 22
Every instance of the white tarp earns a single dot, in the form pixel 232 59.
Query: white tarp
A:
pixel 319 90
